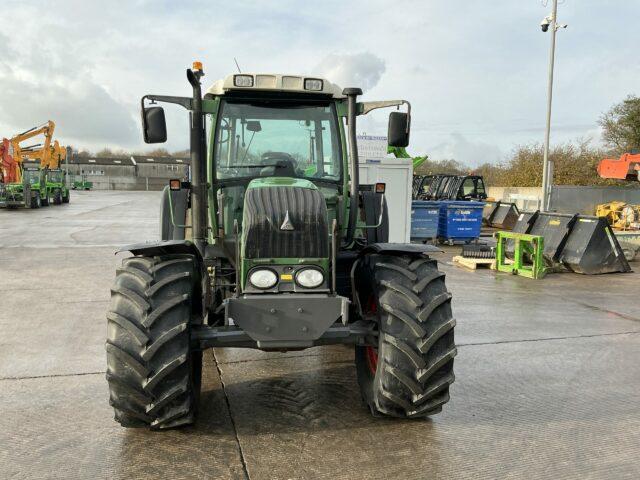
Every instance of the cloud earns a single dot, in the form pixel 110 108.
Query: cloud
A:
pixel 83 111
pixel 362 70
pixel 471 153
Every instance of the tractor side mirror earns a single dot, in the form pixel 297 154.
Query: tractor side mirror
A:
pixel 154 125
pixel 398 133
pixel 254 126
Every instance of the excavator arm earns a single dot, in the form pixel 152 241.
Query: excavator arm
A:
pixel 47 130
pixel 51 159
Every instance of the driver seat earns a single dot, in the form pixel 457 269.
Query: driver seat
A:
pixel 284 163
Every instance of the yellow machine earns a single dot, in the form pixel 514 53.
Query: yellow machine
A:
pixel 51 159
pixel 46 152
pixel 620 215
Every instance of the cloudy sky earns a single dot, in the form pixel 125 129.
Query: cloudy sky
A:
pixel 475 72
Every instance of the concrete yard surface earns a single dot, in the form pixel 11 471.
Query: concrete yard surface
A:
pixel 547 376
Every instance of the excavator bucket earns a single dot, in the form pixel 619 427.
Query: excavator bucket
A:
pixel 592 248
pixel 555 228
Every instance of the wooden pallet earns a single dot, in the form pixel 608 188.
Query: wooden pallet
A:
pixel 475 263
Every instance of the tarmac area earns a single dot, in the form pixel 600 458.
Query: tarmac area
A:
pixel 547 376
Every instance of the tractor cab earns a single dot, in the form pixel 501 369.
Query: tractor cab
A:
pixel 32 176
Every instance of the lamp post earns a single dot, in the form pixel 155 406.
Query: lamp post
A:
pixel 549 22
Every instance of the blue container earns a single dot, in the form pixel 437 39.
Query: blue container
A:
pixel 424 219
pixel 459 221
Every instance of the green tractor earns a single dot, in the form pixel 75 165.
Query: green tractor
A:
pixel 273 244
pixel 31 192
pixel 57 186
pixel 80 182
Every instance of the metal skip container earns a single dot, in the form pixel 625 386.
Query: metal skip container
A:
pixel 424 219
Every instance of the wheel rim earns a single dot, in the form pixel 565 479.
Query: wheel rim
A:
pixel 372 359
pixel 370 351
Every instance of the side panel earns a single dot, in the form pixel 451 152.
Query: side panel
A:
pixel 398 176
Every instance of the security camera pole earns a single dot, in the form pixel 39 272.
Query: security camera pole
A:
pixel 547 167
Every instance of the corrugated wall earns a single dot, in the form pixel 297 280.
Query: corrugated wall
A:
pixel 566 198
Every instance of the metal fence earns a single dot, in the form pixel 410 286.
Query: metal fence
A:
pixel 572 199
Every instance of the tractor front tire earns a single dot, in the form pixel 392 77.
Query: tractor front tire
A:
pixel 67 197
pixel 408 373
pixel 153 375
pixel 57 197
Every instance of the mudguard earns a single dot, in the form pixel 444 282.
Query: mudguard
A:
pixel 400 248
pixel 163 247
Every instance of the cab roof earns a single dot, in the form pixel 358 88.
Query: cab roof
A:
pixel 274 82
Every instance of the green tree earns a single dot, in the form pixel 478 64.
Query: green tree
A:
pixel 621 125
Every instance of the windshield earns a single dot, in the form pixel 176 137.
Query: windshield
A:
pixel 32 176
pixel 55 176
pixel 254 140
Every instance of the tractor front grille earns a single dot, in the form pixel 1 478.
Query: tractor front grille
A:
pixel 266 232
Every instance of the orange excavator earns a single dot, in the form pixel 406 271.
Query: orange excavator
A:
pixel 627 167
pixel 11 153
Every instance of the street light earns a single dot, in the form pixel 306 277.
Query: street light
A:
pixel 547 166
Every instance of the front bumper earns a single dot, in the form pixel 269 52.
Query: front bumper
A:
pixel 286 319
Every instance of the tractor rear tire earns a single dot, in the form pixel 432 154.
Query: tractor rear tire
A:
pixel 36 201
pixel 154 376
pixel 45 200
pixel 409 373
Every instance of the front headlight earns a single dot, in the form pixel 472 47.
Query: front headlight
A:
pixel 309 278
pixel 263 278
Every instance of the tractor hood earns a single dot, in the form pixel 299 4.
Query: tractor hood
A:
pixel 284 218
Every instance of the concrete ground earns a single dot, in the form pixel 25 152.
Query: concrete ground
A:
pixel 547 376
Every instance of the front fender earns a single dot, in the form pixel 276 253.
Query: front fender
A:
pixel 163 247
pixel 400 248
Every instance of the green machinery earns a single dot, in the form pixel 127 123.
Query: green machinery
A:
pixel 273 244
pixel 527 259
pixel 38 188
pixel 80 182
pixel 57 186
pixel 31 192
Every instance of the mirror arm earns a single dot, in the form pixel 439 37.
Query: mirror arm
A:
pixel 366 107
pixel 185 102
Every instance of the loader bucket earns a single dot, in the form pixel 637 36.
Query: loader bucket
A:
pixel 525 222
pixel 504 216
pixel 487 212
pixel 592 248
pixel 523 225
pixel 555 228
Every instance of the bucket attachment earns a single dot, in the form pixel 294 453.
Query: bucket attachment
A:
pixel 487 212
pixel 504 216
pixel 592 248
pixel 523 225
pixel 555 229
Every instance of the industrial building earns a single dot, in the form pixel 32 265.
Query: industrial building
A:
pixel 136 172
